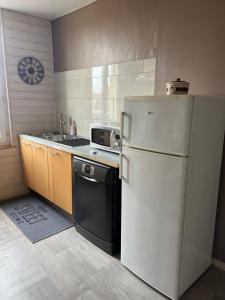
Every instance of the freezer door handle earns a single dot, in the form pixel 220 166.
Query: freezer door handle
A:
pixel 125 126
pixel 122 125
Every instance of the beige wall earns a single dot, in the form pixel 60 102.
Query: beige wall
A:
pixel 105 32
pixel 190 44
pixel 32 108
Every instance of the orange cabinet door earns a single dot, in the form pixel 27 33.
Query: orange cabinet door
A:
pixel 27 153
pixel 41 185
pixel 60 178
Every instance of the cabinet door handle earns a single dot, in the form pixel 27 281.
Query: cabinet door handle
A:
pixel 38 148
pixel 54 153
pixel 29 144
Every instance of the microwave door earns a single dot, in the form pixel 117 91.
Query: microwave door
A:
pixel 106 138
pixel 101 137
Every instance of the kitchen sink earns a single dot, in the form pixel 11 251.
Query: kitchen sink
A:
pixel 74 142
pixel 65 139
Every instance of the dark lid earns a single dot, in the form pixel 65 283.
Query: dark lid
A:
pixel 178 80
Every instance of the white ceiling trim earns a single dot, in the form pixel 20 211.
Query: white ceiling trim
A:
pixel 78 7
pixel 47 9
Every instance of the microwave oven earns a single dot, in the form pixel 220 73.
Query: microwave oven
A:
pixel 105 137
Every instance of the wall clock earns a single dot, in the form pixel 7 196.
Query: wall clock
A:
pixel 31 70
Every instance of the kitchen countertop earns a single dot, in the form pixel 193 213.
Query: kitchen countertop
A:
pixel 88 152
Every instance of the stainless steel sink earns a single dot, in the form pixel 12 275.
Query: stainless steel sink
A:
pixel 75 142
pixel 67 140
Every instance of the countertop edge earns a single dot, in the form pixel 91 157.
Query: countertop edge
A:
pixel 99 157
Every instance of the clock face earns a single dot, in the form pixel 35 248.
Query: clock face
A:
pixel 30 70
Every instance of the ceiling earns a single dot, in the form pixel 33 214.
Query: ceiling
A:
pixel 48 9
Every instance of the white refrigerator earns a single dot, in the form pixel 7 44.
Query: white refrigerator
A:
pixel 170 169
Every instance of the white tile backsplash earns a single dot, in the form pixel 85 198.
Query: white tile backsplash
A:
pixel 140 84
pixel 96 94
pixel 61 89
pixel 103 71
pixel 73 74
pixel 84 88
pixel 129 67
pixel 122 84
pixel 118 107
pixel 107 110
pixel 149 65
pixel 96 109
pixel 109 87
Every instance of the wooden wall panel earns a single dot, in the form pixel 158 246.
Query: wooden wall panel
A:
pixel 32 108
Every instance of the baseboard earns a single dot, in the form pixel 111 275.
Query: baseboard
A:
pixel 218 263
pixel 14 195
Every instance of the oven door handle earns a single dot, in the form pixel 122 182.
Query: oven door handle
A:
pixel 89 179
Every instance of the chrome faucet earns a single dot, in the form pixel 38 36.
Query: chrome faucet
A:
pixel 61 125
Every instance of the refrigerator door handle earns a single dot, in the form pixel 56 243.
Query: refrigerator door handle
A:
pixel 127 128
pixel 121 166
pixel 124 165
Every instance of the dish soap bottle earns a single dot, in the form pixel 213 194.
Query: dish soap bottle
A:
pixel 73 127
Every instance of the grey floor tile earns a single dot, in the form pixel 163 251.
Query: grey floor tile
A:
pixel 68 267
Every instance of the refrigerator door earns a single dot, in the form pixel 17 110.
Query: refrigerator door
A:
pixel 158 123
pixel 153 187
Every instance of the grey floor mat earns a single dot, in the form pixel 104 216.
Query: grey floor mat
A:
pixel 35 218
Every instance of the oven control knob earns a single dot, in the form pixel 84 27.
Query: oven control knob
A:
pixel 92 171
pixel 83 168
pixel 87 169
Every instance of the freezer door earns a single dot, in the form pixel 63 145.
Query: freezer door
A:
pixel 152 214
pixel 160 124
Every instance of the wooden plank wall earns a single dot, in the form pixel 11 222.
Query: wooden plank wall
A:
pixel 32 108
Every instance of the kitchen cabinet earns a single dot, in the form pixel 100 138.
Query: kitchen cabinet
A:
pixel 35 166
pixel 60 179
pixel 48 172
pixel 28 162
pixel 40 160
